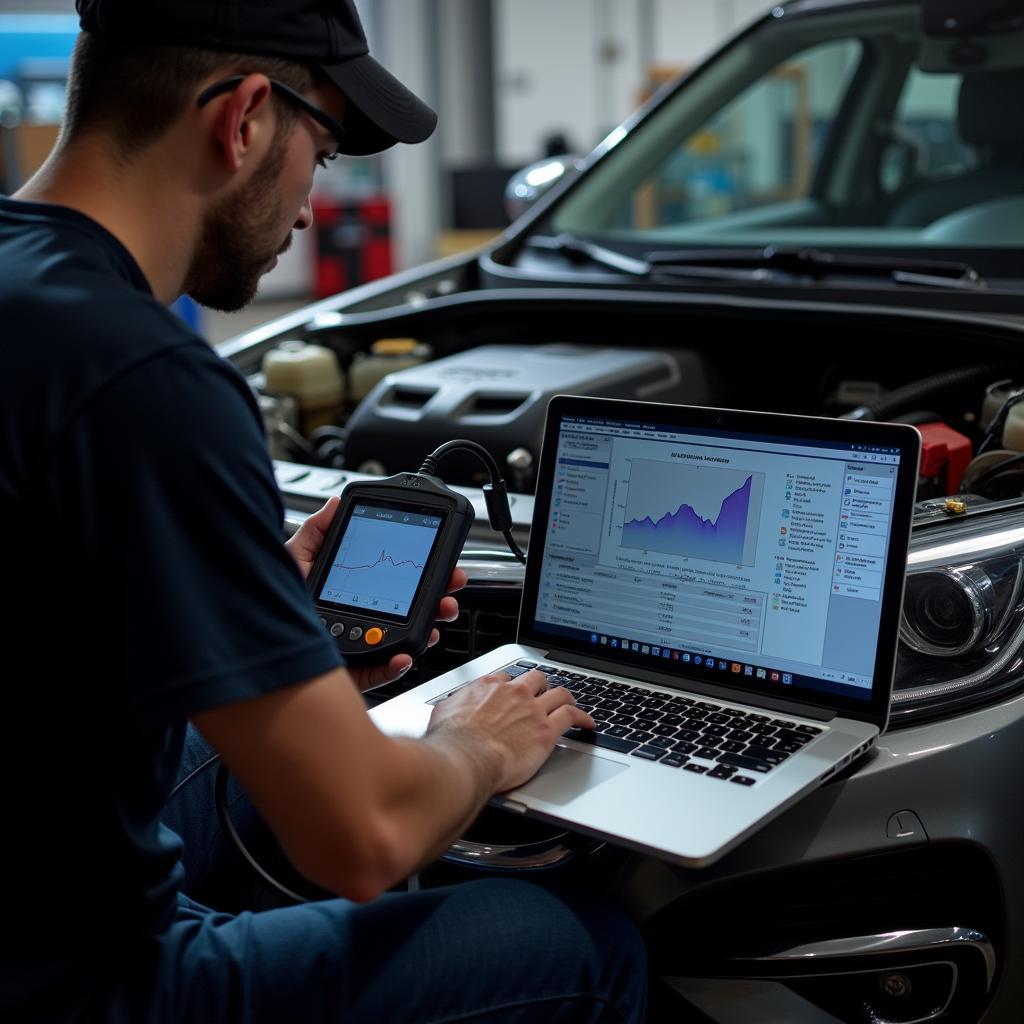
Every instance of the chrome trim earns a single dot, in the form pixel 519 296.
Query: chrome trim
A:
pixel 493 569
pixel 961 541
pixel 547 853
pixel 885 943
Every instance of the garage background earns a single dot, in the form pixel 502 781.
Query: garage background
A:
pixel 512 81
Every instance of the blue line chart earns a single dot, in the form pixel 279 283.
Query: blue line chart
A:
pixel 662 512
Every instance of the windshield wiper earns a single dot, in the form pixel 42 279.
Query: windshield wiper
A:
pixel 759 265
pixel 818 265
pixel 579 250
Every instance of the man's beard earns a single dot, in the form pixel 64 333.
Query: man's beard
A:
pixel 239 239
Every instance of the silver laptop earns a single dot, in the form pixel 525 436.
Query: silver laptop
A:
pixel 721 589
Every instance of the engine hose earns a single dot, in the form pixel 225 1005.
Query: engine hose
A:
pixel 911 396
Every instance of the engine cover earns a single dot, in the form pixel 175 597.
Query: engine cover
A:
pixel 497 395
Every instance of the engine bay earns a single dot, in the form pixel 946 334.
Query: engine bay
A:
pixel 371 394
pixel 374 396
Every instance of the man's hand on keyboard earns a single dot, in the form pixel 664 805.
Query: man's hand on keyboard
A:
pixel 511 723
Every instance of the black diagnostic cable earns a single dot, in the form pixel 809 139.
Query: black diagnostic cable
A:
pixel 212 759
pixel 495 493
pixel 500 516
pixel 221 791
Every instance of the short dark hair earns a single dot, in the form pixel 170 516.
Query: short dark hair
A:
pixel 134 92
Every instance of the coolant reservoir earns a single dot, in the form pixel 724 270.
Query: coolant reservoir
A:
pixel 311 375
pixel 995 395
pixel 1013 431
pixel 386 355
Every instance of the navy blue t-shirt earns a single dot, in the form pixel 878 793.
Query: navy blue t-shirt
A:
pixel 145 580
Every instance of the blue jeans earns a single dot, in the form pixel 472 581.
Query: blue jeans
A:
pixel 490 950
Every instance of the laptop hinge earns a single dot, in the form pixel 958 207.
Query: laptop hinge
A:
pixel 723 692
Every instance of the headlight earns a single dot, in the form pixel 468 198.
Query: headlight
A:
pixel 962 628
pixel 948 612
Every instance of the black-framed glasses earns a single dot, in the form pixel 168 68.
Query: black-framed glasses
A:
pixel 321 117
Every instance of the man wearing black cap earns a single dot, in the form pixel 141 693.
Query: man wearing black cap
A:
pixel 149 586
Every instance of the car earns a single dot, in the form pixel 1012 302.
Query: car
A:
pixel 824 217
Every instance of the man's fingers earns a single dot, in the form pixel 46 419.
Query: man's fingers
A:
pixel 378 675
pixel 306 541
pixel 555 697
pixel 448 610
pixel 496 677
pixel 323 518
pixel 583 719
pixel 569 716
pixel 534 680
pixel 399 664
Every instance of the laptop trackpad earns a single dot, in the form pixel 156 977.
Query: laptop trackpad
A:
pixel 567 774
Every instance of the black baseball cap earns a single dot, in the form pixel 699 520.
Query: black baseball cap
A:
pixel 327 34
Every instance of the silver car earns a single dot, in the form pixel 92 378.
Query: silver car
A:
pixel 825 217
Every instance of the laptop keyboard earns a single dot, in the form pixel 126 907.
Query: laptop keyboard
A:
pixel 697 736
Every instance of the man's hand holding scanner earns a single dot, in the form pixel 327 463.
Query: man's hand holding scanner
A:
pixel 304 546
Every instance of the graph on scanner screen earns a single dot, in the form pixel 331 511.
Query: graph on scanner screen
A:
pixel 380 562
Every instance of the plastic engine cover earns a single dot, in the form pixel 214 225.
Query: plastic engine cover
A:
pixel 497 395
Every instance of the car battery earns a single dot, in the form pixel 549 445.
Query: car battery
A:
pixel 497 395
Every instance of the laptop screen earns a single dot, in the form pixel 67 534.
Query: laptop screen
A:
pixel 757 560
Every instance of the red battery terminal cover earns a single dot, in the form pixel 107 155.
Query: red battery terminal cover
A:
pixel 944 451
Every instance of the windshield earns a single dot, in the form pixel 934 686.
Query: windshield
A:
pixel 842 129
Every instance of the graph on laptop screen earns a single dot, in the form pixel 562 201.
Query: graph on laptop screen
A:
pixel 746 558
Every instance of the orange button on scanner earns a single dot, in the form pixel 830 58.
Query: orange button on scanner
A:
pixel 373 635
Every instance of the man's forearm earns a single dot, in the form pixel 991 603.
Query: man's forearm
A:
pixel 453 776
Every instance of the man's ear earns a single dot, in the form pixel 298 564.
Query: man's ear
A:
pixel 242 121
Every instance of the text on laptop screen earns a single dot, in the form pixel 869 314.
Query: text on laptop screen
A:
pixel 740 557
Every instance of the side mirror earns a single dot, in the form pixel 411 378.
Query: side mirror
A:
pixel 525 187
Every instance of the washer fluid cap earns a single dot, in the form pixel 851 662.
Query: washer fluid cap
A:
pixel 395 347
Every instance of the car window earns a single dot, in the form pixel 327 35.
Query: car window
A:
pixel 925 124
pixel 762 148
pixel 841 129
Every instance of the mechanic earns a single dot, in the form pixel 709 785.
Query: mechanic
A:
pixel 148 586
